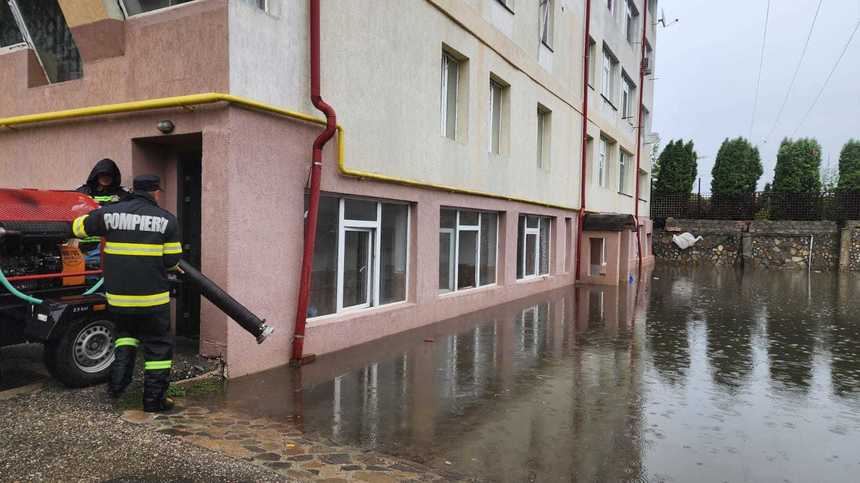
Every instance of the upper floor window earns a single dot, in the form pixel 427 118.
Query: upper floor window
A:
pixel 134 7
pixel 630 16
pixel 623 167
pixel 592 61
pixel 10 34
pixel 498 116
pixel 467 249
pixel 602 158
pixel 610 4
pixel 546 21
pixel 544 133
pixel 610 75
pixel 42 25
pixel 450 80
pixel 628 92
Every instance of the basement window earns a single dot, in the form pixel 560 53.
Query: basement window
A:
pixel 533 245
pixel 360 255
pixel 467 249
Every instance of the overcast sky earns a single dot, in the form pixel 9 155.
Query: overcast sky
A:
pixel 707 65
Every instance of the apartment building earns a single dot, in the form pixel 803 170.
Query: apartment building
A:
pixel 454 183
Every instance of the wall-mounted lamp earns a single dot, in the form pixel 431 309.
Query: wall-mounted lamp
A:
pixel 166 126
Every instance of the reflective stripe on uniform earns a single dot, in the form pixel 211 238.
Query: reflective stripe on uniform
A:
pixel 138 300
pixel 126 341
pixel 172 248
pixel 134 249
pixel 78 227
pixel 102 199
pixel 157 365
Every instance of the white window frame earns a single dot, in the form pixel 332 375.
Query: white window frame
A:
pixel 602 266
pixel 452 259
pixel 534 231
pixel 546 21
pixel 544 137
pixel 496 89
pixel 453 264
pixel 606 87
pixel 602 154
pixel 124 9
pixel 629 25
pixel 375 228
pixel 626 93
pixel 592 62
pixel 448 63
pixel 623 166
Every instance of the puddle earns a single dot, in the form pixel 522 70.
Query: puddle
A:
pixel 708 375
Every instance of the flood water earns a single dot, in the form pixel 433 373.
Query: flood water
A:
pixel 694 375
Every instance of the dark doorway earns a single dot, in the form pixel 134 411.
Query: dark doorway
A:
pixel 178 160
pixel 189 213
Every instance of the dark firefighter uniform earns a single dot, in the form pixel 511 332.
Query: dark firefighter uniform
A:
pixel 142 243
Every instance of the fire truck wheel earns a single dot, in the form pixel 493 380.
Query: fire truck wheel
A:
pixel 81 354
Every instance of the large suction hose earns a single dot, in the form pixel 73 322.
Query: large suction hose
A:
pixel 236 311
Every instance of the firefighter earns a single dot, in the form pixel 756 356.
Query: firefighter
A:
pixel 104 186
pixel 142 245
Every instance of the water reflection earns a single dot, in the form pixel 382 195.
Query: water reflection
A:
pixel 706 375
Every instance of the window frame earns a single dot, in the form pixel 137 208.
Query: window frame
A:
pixel 495 137
pixel 508 4
pixel 374 227
pixel 630 14
pixel 602 161
pixel 453 264
pixel 544 137
pixel 526 231
pixel 124 8
pixel 447 63
pixel 592 62
pixel 623 167
pixel 546 23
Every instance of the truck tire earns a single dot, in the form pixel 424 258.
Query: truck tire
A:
pixel 82 353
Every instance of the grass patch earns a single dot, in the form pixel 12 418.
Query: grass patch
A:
pixel 133 398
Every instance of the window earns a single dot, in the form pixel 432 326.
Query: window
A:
pixel 623 166
pixel 263 5
pixel 610 5
pixel 544 133
pixel 601 162
pixel 498 115
pixel 592 61
pixel 360 255
pixel 628 92
pixel 610 75
pixel 10 34
pixel 467 249
pixel 649 58
pixel 134 7
pixel 450 78
pixel 644 185
pixel 630 15
pixel 509 4
pixel 546 21
pixel 533 245
pixel 646 120
pixel 598 256
pixel 568 242
pixel 43 26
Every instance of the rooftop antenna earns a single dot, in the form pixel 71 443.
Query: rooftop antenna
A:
pixel 662 19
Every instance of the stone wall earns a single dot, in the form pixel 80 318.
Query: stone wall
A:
pixel 720 244
pixel 766 244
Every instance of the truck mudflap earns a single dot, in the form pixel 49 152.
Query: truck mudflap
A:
pixel 46 317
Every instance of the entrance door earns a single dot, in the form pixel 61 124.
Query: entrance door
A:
pixel 188 213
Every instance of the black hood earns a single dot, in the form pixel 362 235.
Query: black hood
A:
pixel 105 166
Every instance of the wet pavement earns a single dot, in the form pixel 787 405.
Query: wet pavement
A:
pixel 706 375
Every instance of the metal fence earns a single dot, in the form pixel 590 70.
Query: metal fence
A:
pixel 761 206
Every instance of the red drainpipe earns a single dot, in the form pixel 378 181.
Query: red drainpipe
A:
pixel 584 138
pixel 639 131
pixel 316 174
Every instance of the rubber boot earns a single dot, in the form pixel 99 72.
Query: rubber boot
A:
pixel 121 371
pixel 155 391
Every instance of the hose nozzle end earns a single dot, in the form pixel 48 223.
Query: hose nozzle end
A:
pixel 266 331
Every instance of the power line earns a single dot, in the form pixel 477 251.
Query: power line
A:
pixel 826 81
pixel 760 66
pixel 796 71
